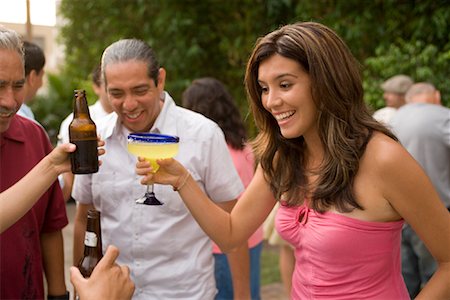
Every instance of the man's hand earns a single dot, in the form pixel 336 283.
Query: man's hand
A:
pixel 108 280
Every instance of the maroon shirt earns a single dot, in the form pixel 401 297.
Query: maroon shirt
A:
pixel 23 145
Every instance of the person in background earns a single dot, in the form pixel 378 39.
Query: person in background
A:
pixel 423 128
pixel 168 253
pixel 32 246
pixel 212 99
pixel 34 74
pixel 109 280
pixel 345 184
pixel 394 96
pixel 98 110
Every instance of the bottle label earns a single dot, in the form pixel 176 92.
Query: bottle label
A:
pixel 90 239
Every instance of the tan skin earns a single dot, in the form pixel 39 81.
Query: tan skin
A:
pixel 108 280
pixel 136 100
pixel 390 185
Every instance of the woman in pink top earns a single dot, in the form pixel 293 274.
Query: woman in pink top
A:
pixel 211 98
pixel 346 185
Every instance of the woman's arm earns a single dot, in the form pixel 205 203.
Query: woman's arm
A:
pixel 225 229
pixel 19 198
pixel 412 195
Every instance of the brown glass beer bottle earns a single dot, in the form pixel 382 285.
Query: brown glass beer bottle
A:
pixel 83 133
pixel 92 244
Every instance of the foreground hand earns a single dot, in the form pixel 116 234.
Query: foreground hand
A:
pixel 169 172
pixel 108 280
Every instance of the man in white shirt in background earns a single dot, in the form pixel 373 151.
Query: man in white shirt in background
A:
pixel 98 110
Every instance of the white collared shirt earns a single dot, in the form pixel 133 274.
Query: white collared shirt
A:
pixel 168 253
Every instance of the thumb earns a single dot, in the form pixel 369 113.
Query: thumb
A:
pixel 68 147
pixel 165 162
pixel 76 278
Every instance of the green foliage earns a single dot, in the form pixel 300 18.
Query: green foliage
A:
pixel 270 270
pixel 214 38
pixel 423 62
pixel 52 108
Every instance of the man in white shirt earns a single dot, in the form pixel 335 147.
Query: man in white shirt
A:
pixel 168 253
pixel 98 110
pixel 394 96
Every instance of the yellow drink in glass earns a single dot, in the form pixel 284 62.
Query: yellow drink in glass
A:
pixel 152 151
pixel 152 146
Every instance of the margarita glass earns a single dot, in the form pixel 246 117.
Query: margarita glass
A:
pixel 152 146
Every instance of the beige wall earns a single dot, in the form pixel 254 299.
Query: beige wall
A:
pixel 45 37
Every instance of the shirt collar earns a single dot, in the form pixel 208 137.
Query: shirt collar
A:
pixel 165 122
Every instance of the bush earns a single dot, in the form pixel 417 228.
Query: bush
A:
pixel 53 107
pixel 416 59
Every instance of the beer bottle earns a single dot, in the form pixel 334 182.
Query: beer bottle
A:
pixel 92 244
pixel 83 133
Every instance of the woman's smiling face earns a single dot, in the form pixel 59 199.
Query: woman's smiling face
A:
pixel 286 94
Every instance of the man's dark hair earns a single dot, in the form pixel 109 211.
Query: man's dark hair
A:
pixel 34 57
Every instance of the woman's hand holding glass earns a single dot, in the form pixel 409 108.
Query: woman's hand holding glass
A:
pixel 170 172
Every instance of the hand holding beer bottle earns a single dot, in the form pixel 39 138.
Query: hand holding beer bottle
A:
pixel 92 244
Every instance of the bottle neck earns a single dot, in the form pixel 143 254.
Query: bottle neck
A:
pixel 80 106
pixel 92 236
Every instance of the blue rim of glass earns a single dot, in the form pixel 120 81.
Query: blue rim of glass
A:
pixel 152 138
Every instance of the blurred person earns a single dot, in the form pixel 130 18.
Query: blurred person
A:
pixel 212 99
pixel 32 246
pixel 168 253
pixel 394 96
pixel 98 110
pixel 34 75
pixel 345 184
pixel 423 128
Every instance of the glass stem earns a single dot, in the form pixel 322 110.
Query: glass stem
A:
pixel 149 186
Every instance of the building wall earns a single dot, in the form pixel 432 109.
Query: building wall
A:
pixel 45 37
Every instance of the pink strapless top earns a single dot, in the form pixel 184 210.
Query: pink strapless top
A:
pixel 338 257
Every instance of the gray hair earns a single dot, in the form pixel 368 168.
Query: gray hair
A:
pixel 131 49
pixel 10 40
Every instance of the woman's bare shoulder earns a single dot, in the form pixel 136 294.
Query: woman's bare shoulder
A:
pixel 384 152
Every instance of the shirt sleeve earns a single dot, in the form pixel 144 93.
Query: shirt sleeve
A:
pixel 222 182
pixel 81 190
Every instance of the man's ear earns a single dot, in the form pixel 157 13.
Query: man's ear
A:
pixel 161 79
pixel 31 78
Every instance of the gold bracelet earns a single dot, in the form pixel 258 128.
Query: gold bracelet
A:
pixel 177 186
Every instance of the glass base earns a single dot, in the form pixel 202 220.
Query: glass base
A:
pixel 149 199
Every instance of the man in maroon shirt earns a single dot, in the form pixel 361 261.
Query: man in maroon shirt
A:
pixel 34 244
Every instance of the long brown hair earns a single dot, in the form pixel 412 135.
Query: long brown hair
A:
pixel 345 124
pixel 210 97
